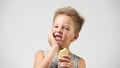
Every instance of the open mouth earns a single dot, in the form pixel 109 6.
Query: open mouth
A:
pixel 57 37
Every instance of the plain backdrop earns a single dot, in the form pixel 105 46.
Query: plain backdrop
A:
pixel 24 26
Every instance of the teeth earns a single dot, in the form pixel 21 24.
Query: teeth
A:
pixel 58 37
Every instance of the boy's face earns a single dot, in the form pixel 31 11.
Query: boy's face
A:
pixel 63 30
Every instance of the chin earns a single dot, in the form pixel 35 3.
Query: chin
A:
pixel 60 46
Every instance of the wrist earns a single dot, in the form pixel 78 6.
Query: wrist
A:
pixel 55 48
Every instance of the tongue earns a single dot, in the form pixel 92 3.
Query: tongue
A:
pixel 58 38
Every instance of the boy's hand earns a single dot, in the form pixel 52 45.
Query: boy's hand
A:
pixel 65 62
pixel 52 40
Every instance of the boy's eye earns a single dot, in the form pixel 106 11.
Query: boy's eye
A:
pixel 55 26
pixel 67 28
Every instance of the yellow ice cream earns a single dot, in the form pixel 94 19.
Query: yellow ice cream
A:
pixel 63 51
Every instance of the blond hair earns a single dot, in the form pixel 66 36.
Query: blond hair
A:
pixel 73 14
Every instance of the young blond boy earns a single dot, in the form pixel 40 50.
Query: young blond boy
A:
pixel 66 26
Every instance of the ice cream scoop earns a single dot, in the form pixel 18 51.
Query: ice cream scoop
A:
pixel 63 51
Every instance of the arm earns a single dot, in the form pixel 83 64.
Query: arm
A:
pixel 38 58
pixel 42 61
pixel 81 63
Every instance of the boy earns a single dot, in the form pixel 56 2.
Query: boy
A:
pixel 66 26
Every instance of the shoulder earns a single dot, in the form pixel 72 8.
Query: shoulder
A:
pixel 81 63
pixel 39 55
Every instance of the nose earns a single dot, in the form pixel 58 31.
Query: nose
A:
pixel 59 30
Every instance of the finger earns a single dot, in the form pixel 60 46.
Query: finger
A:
pixel 51 35
pixel 50 32
pixel 66 56
pixel 64 60
pixel 65 65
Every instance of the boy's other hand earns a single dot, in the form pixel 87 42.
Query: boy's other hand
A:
pixel 65 62
pixel 52 40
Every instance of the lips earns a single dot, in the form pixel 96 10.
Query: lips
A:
pixel 57 36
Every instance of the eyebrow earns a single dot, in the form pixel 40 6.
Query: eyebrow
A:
pixel 62 25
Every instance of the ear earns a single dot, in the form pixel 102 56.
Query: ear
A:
pixel 76 35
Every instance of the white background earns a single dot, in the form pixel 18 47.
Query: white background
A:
pixel 24 25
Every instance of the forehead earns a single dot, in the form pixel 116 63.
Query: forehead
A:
pixel 63 20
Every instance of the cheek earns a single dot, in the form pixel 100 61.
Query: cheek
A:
pixel 53 30
pixel 68 36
